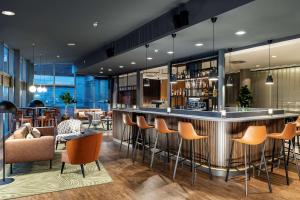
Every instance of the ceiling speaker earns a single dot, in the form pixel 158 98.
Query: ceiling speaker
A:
pixel 110 52
pixel 181 19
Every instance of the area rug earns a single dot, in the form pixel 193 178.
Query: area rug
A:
pixel 36 178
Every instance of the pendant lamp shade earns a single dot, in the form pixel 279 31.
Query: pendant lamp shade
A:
pixel 229 82
pixel 146 82
pixel 36 103
pixel 269 80
pixel 32 89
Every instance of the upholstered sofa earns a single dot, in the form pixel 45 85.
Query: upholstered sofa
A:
pixel 29 150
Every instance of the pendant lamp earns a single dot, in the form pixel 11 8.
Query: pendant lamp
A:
pixel 269 80
pixel 173 77
pixel 146 81
pixel 213 74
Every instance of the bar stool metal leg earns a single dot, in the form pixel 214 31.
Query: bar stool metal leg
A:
pixel 179 150
pixel 129 139
pixel 229 162
pixel 208 160
pixel 285 163
pixel 246 171
pixel 153 151
pixel 273 152
pixel 295 159
pixel 193 163
pixel 122 138
pixel 265 165
pixel 134 152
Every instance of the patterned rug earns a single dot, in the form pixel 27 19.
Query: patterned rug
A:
pixel 36 178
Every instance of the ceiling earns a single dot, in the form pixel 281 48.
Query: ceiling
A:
pixel 53 24
pixel 259 21
pixel 284 53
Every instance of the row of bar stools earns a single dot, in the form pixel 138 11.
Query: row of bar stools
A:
pixel 188 133
pixel 143 126
pixel 161 129
pixel 288 134
pixel 254 135
pixel 128 125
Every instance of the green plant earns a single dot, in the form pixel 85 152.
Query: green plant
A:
pixel 67 99
pixel 245 97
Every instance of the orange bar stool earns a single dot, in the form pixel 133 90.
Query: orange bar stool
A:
pixel 161 129
pixel 298 130
pixel 254 135
pixel 287 134
pixel 128 125
pixel 141 135
pixel 187 132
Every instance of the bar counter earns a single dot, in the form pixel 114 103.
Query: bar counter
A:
pixel 220 130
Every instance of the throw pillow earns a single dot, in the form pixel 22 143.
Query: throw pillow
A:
pixel 28 126
pixel 29 136
pixel 20 133
pixel 35 133
pixel 81 114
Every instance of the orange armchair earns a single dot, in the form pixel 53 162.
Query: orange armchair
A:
pixel 81 151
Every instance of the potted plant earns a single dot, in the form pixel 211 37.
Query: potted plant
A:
pixel 67 99
pixel 245 97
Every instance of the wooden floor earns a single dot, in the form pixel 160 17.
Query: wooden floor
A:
pixel 139 182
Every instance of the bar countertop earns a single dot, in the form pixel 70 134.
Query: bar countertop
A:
pixel 216 117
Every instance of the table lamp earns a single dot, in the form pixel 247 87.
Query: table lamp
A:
pixel 6 107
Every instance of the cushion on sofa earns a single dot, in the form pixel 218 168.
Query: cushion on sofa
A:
pixel 35 133
pixel 29 136
pixel 20 133
pixel 81 114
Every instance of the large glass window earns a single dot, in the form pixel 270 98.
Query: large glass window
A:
pixel 88 91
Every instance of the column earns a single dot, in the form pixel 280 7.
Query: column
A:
pixel 221 73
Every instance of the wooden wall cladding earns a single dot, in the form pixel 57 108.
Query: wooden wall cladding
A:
pixel 219 133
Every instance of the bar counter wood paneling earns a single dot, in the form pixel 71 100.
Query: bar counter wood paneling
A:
pixel 219 131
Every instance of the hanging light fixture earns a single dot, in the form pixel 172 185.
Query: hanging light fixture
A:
pixel 39 89
pixel 146 81
pixel 269 80
pixel 173 77
pixel 213 74
pixel 229 82
pixel 32 88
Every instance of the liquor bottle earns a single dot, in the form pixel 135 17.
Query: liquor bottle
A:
pixel 215 92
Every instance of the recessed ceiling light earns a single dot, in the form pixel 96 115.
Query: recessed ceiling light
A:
pixel 274 56
pixel 198 44
pixel 95 24
pixel 71 44
pixel 170 52
pixel 58 56
pixel 101 68
pixel 8 13
pixel 121 66
pixel 257 65
pixel 149 58
pixel 241 32
pixel 101 72
pixel 156 50
pixel 133 63
pixel 109 69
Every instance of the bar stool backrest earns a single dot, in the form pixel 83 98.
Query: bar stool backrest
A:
pixel 126 119
pixel 255 135
pixel 160 125
pixel 141 122
pixel 298 121
pixel 186 130
pixel 289 131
